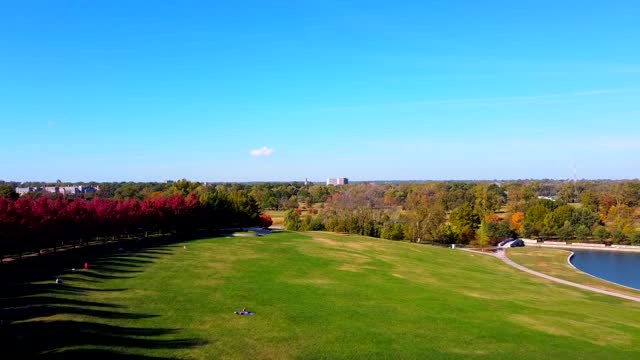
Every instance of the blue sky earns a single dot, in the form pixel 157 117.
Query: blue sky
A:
pixel 155 90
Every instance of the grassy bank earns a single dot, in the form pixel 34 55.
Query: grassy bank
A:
pixel 554 262
pixel 316 295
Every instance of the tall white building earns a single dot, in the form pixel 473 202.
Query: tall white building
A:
pixel 337 181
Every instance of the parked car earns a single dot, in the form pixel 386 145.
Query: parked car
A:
pixel 517 243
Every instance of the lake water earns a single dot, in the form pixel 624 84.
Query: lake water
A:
pixel 620 267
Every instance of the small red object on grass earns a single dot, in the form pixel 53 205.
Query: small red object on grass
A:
pixel 86 266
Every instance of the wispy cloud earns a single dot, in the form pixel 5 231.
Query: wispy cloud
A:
pixel 51 123
pixel 531 99
pixel 264 151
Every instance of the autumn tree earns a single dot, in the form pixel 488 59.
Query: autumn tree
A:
pixel 517 222
pixel 519 195
pixel 620 222
pixel 265 221
pixel 568 192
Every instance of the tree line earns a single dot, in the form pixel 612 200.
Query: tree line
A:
pixel 276 196
pixel 32 223
pixel 481 212
pixel 441 212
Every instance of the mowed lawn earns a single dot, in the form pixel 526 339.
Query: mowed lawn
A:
pixel 554 262
pixel 316 296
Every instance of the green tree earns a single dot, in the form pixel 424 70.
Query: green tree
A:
pixel 392 230
pixel 582 232
pixel 292 221
pixel 618 236
pixel 546 232
pixel 7 191
pixel 589 200
pixel 130 191
pixel 184 187
pixel 601 233
pixel 585 217
pixel 568 192
pixel 534 220
pixel 559 216
pixel 464 216
pixel 464 223
pixel 566 231
pixel 488 199
pixel 491 232
pixel 426 222
pixel 484 236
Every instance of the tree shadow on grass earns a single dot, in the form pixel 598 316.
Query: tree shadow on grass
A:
pixel 124 261
pixel 96 354
pixel 82 275
pixel 38 311
pixel 12 302
pixel 37 338
pixel 141 255
pixel 115 264
pixel 30 299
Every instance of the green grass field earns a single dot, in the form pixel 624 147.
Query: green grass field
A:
pixel 554 262
pixel 316 296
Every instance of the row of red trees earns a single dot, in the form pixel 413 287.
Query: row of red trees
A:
pixel 31 224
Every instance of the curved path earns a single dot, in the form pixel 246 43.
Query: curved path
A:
pixel 500 254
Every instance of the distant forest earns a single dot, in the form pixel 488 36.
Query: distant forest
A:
pixel 478 212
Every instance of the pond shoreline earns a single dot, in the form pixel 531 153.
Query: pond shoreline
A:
pixel 571 255
pixel 570 262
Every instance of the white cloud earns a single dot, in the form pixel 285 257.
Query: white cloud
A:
pixel 264 151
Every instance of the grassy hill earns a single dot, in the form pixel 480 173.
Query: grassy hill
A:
pixel 316 296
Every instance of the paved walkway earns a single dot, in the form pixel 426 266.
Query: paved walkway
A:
pixel 500 254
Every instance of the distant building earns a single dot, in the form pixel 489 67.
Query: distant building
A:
pixel 73 190
pixel 69 190
pixel 52 189
pixel 337 181
pixel 25 190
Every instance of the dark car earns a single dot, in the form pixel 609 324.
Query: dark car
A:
pixel 517 243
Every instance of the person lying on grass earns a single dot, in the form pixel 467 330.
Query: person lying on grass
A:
pixel 244 312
